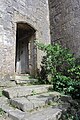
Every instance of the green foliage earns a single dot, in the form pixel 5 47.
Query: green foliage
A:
pixel 74 72
pixel 59 67
pixel 68 116
pixel 66 85
pixel 1 93
pixel 1 112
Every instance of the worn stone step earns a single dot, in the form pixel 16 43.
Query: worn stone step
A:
pixel 7 83
pixel 35 102
pixel 48 113
pixel 28 81
pixel 24 79
pixel 45 114
pixel 14 113
pixel 21 91
pixel 18 115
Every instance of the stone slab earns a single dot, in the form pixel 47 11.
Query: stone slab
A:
pixel 45 114
pixel 24 81
pixel 55 96
pixel 7 83
pixel 27 105
pixel 3 100
pixel 17 115
pixel 48 113
pixel 12 112
pixel 21 91
pixel 34 102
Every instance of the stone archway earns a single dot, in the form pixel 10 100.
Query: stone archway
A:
pixel 26 57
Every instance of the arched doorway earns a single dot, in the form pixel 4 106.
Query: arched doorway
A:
pixel 26 57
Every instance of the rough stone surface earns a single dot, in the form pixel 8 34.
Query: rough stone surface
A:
pixel 42 106
pixel 3 100
pixel 7 83
pixel 45 114
pixel 17 115
pixel 24 79
pixel 34 102
pixel 26 104
pixel 65 23
pixel 32 12
pixel 25 90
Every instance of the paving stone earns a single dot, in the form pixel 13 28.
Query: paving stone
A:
pixel 25 90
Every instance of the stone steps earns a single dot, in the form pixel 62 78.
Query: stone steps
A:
pixel 45 114
pixel 35 102
pixel 24 79
pixel 48 113
pixel 22 91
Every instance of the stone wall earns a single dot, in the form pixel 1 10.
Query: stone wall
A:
pixel 33 12
pixel 65 23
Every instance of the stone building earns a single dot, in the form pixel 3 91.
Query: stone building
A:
pixel 65 23
pixel 23 21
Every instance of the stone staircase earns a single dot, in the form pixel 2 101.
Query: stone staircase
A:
pixel 31 102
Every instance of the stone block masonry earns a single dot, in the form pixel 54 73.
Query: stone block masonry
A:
pixel 32 12
pixel 65 23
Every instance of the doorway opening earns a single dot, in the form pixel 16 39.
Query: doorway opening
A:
pixel 26 53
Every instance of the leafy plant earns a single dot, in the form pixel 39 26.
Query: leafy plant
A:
pixel 59 68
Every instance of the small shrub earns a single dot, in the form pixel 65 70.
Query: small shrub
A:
pixel 59 67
